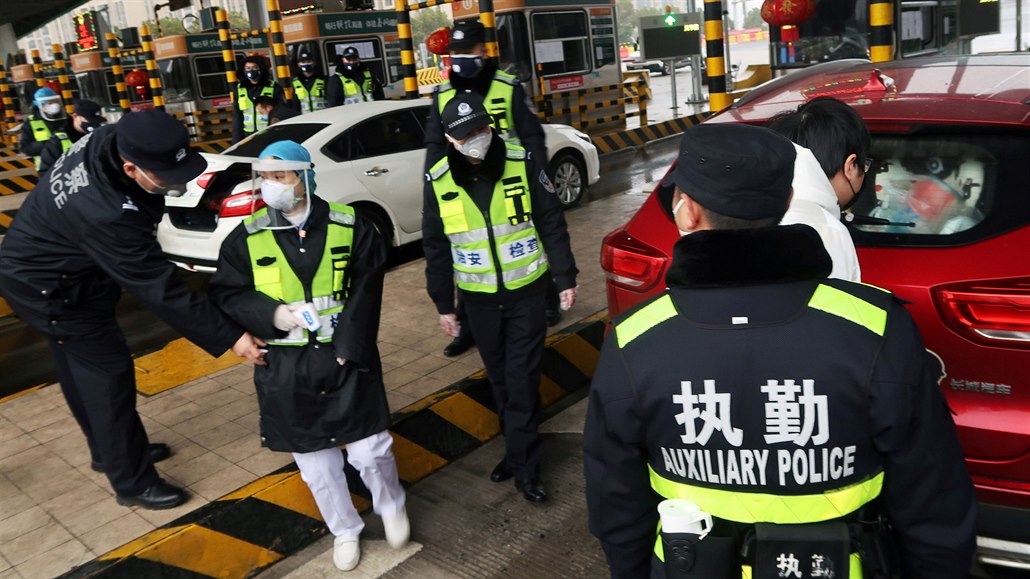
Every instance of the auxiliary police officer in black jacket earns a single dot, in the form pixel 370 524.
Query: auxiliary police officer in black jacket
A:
pixel 798 411
pixel 490 226
pixel 85 232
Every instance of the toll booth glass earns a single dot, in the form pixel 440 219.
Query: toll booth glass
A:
pixel 92 86
pixel 370 51
pixel 838 30
pixel 210 74
pixel 918 29
pixel 175 76
pixel 513 43
pixel 561 42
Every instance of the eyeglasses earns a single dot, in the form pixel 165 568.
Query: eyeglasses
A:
pixel 869 162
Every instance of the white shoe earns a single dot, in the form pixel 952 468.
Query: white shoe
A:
pixel 346 553
pixel 397 528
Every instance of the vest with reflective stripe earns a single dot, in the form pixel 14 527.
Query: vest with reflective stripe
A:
pixel 276 279
pixel 251 120
pixel 41 133
pixel 497 249
pixel 313 100
pixel 354 92
pixel 498 103
pixel 745 507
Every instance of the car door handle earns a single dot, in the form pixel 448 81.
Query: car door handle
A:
pixel 375 172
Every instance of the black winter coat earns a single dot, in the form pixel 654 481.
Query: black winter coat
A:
pixel 308 401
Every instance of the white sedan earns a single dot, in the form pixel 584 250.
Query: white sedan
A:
pixel 369 156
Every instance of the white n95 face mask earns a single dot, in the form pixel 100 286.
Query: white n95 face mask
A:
pixel 477 146
pixel 279 195
pixel 676 208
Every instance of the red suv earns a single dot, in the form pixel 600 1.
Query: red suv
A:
pixel 944 223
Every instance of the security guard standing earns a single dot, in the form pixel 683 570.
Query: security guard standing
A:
pixel 85 232
pixel 309 86
pixel 353 82
pixel 254 82
pixel 46 120
pixel 793 408
pixel 86 117
pixel 496 232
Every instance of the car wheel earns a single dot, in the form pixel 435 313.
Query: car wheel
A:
pixel 568 175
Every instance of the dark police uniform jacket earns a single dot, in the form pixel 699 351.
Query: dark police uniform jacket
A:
pixel 308 401
pixel 754 373
pixel 87 229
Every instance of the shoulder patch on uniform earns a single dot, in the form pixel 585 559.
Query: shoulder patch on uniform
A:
pixel 341 217
pixel 257 223
pixel 546 182
pixel 506 78
pixel 518 154
pixel 842 304
pixel 439 171
pixel 644 319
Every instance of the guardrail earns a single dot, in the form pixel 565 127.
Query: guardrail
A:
pixel 574 102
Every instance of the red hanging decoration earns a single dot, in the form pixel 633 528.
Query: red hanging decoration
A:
pixel 53 85
pixel 136 78
pixel 787 12
pixel 438 41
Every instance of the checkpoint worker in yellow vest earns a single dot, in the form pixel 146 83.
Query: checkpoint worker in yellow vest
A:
pixel 789 419
pixel 490 227
pixel 307 276
pixel 352 82
pixel 47 119
pixel 254 82
pixel 309 87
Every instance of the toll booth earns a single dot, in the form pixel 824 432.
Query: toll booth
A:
pixel 95 77
pixel 327 34
pixel 24 80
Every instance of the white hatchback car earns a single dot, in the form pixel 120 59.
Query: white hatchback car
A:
pixel 369 156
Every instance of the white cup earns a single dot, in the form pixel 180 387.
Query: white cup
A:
pixel 683 516
pixel 308 316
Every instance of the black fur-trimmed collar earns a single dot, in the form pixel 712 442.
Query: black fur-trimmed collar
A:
pixel 739 257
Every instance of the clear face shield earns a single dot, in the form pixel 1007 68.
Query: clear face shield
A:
pixel 285 187
pixel 50 108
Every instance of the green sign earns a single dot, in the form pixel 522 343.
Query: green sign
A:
pixel 203 43
pixel 345 23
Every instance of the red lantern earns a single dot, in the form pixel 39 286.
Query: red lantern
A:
pixel 787 12
pixel 53 85
pixel 136 78
pixel 438 41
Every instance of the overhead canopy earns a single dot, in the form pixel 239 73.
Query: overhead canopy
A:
pixel 28 16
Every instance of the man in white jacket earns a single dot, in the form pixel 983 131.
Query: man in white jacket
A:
pixel 832 143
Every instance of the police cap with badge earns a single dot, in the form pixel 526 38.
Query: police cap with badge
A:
pixel 169 157
pixel 91 112
pixel 466 34
pixel 463 114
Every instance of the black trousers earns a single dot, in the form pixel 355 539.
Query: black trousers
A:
pixel 510 339
pixel 98 380
pixel 553 304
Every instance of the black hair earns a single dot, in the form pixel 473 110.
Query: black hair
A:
pixel 830 128
pixel 719 221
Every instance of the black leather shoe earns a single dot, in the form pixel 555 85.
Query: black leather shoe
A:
pixel 532 490
pixel 553 317
pixel 458 346
pixel 501 472
pixel 160 495
pixel 158 452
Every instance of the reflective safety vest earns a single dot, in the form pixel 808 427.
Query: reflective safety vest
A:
pixel 748 508
pixel 354 92
pixel 252 122
pixel 497 247
pixel 274 277
pixel 41 133
pixel 313 100
pixel 498 103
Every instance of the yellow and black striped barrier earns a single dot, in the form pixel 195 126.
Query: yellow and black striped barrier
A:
pixel 275 516
pixel 428 76
pixel 156 88
pixel 282 69
pixel 715 60
pixel 881 30
pixel 119 73
pixel 62 79
pixel 214 146
pixel 639 93
pixel 37 68
pixel 611 142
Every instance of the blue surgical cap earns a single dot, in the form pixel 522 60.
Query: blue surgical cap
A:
pixel 291 151
pixel 42 93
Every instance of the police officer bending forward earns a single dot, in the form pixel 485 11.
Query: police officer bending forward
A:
pixel 491 225
pixel 86 231
pixel 797 410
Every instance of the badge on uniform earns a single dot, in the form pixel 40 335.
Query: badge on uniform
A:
pixel 546 182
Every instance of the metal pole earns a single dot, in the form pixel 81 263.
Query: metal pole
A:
pixel 228 57
pixel 62 79
pixel 1019 25
pixel 729 61
pixel 155 78
pixel 282 68
pixel 37 68
pixel 10 121
pixel 881 30
pixel 486 16
pixel 695 69
pixel 118 71
pixel 672 79
pixel 407 49
pixel 717 96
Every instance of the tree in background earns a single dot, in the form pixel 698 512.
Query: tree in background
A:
pixel 626 14
pixel 238 21
pixel 171 25
pixel 425 22
pixel 754 19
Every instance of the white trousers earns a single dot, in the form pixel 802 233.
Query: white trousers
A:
pixel 322 470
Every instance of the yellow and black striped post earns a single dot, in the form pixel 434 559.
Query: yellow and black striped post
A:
pixel 62 78
pixel 881 30
pixel 37 68
pixel 717 97
pixel 486 16
pixel 282 68
pixel 118 71
pixel 156 90
pixel 8 100
pixel 407 49
pixel 228 57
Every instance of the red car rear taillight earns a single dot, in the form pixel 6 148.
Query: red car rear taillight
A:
pixel 631 263
pixel 990 312
pixel 239 205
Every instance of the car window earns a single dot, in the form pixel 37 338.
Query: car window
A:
pixel 254 144
pixel 940 189
pixel 386 134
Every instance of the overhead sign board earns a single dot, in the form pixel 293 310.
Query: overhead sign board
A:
pixel 672 35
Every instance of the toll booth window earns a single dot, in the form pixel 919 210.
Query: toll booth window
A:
pixel 602 29
pixel 211 81
pixel 940 189
pixel 175 77
pixel 90 87
pixel 512 40
pixel 918 30
pixel 560 42
pixel 370 51
pixel 112 87
pixel 384 135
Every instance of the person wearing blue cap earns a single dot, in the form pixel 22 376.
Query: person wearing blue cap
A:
pixel 47 119
pixel 85 233
pixel 306 276
pixel 796 414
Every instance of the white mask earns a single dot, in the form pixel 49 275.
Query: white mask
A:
pixel 675 209
pixel 52 109
pixel 168 190
pixel 477 146
pixel 279 195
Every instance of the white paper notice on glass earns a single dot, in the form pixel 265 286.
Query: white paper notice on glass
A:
pixel 549 51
